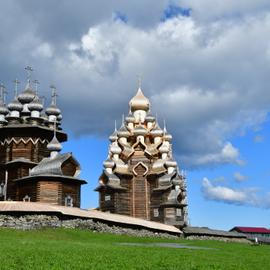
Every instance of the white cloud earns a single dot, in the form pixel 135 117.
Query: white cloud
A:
pixel 43 50
pixel 248 196
pixel 239 177
pixel 208 78
pixel 228 154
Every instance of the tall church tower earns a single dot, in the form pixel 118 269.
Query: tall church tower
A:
pixel 29 167
pixel 140 176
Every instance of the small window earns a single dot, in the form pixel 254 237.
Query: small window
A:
pixel 68 201
pixel 107 198
pixel 156 212
pixel 178 212
pixel 26 198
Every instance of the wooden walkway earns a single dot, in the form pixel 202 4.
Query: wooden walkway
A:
pixel 35 208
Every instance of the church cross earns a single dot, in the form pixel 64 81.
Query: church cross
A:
pixel 139 77
pixel 29 71
pixel 16 82
pixel 54 94
pixel 3 93
pixel 36 82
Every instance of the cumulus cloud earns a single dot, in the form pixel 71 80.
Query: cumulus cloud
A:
pixel 207 78
pixel 248 196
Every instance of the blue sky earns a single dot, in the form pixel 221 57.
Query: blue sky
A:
pixel 205 69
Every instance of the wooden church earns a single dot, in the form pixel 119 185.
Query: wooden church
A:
pixel 140 177
pixel 31 165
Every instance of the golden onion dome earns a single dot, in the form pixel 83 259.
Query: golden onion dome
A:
pixel 130 118
pixel 108 163
pixel 114 136
pixel 167 136
pixel 156 131
pixel 115 148
pixel 123 132
pixel 164 149
pixel 171 163
pixel 150 118
pixel 139 102
pixel 139 130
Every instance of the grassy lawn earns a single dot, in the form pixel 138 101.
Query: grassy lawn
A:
pixel 78 249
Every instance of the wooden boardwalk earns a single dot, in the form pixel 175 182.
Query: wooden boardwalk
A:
pixel 34 208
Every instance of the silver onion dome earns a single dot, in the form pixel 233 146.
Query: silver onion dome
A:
pixel 60 117
pixel 27 95
pixel 15 105
pixel 35 105
pixel 108 163
pixel 53 110
pixel 54 145
pixel 3 108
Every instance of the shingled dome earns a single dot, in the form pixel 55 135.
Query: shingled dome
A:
pixel 35 105
pixel 15 105
pixel 27 95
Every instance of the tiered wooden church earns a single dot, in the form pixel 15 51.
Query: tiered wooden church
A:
pixel 140 176
pixel 31 167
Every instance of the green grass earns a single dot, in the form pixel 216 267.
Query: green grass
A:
pixel 79 249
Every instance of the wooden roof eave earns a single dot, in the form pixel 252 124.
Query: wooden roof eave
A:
pixel 162 188
pixel 61 178
pixel 110 187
